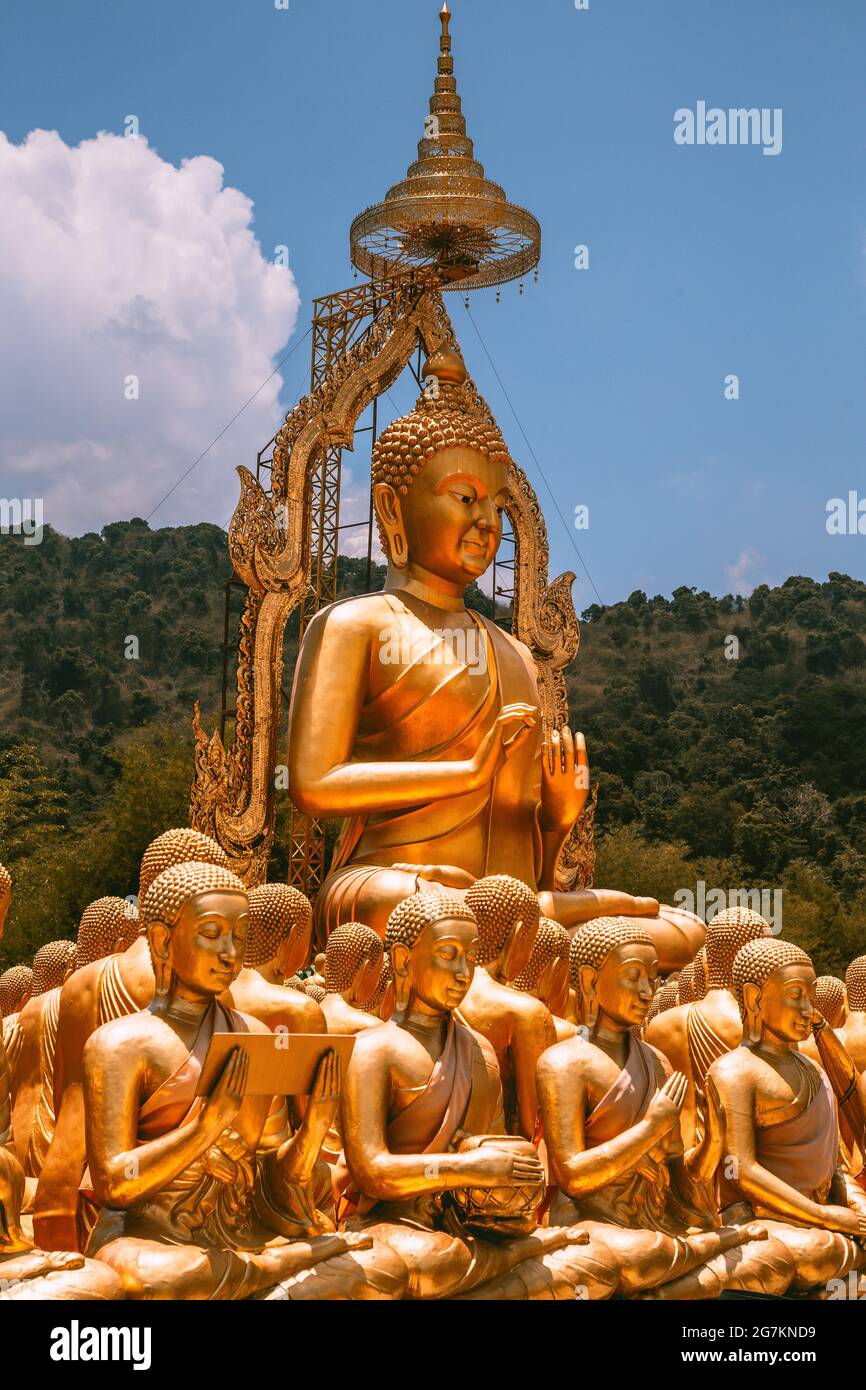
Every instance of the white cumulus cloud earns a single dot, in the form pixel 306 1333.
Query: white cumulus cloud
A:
pixel 738 573
pixel 116 264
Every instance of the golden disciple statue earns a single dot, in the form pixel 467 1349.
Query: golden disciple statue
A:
pixel 353 966
pixel 105 989
pixel 382 1000
pixel 518 1027
pixel 693 1035
pixel 25 1272
pixel 547 975
pixel 14 990
pixel 108 924
pixel 33 1085
pixel 417 720
pixel 776 1144
pixel 831 1002
pixel 853 1031
pixel 184 1213
pixel 610 1108
pixel 277 944
pixel 5 895
pixel 429 1171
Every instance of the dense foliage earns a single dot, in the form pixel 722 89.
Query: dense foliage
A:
pixel 741 766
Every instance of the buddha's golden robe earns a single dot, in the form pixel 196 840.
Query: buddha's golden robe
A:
pixel 440 705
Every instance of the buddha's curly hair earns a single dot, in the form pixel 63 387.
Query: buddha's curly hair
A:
pixel 14 987
pixel 551 942
pixel 167 894
pixel 755 962
pixel 497 902
pixel 664 998
pixel 276 910
pixel 5 883
pixel 700 978
pixel 348 946
pixel 51 964
pixel 855 983
pixel 830 998
pixel 315 992
pixel 179 846
pixel 106 925
pixel 446 416
pixel 413 914
pixel 593 942
pixel 386 977
pixel 727 933
pixel 686 984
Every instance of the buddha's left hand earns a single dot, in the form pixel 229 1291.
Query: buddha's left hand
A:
pixel 564 779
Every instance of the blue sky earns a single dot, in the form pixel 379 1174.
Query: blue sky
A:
pixel 704 261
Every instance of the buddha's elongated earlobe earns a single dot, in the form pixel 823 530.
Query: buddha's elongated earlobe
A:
pixel 390 515
pixel 586 982
pixel 160 955
pixel 754 1023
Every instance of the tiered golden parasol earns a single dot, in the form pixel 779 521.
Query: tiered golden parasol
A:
pixel 445 214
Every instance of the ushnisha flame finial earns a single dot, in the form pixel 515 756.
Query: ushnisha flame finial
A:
pixel 446 215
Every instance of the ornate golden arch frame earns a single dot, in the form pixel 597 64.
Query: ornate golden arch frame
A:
pixel 232 797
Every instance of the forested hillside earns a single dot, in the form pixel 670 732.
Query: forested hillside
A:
pixel 727 735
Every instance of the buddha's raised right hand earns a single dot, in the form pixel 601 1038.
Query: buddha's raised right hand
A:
pixel 511 727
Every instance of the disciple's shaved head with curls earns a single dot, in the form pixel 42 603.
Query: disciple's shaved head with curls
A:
pixel 727 932
pixel 107 925
pixel 51 965
pixel 830 999
pixel 497 903
pixel 349 946
pixel 276 911
pixel 180 846
pixel 551 941
pixel 855 983
pixel 757 961
pixel 166 896
pixel 14 989
pixel 421 910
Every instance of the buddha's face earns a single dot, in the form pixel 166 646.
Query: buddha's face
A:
pixel 786 1002
pixel 441 964
pixel 5 903
pixel 206 945
pixel 625 983
pixel 452 515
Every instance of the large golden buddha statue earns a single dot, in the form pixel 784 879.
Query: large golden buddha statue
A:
pixel 418 721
